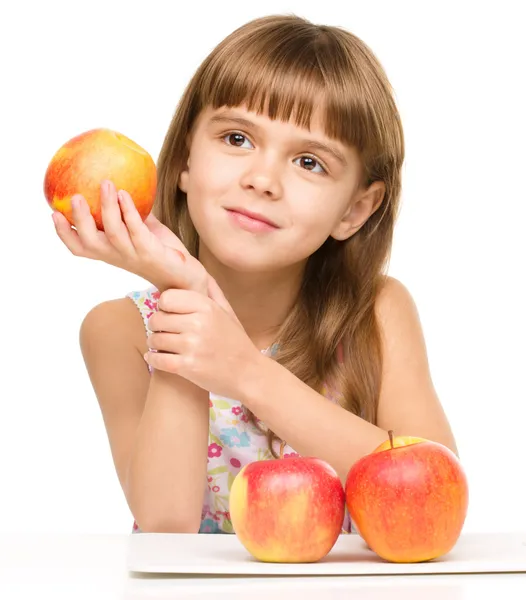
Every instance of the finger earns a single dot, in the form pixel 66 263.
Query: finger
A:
pixel 153 224
pixel 161 321
pixel 183 301
pixel 165 234
pixel 173 323
pixel 132 219
pixel 152 221
pixel 67 234
pixel 114 227
pixel 171 363
pixel 85 223
pixel 165 342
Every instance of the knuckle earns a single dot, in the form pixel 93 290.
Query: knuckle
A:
pixel 207 308
pixel 111 235
pixel 188 362
pixel 143 251
pixel 197 324
pixel 152 340
pixel 171 363
pixel 165 299
pixel 91 246
pixel 193 341
pixel 153 322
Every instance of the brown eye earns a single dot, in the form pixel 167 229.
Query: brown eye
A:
pixel 309 164
pixel 235 139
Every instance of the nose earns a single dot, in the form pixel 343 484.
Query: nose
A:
pixel 263 176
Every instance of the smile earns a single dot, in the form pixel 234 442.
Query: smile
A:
pixel 250 221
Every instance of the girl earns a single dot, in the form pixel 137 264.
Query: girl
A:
pixel 270 318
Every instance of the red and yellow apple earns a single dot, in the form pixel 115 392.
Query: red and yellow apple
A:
pixel 82 163
pixel 408 499
pixel 287 510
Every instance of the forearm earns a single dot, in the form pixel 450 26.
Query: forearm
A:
pixel 167 471
pixel 309 422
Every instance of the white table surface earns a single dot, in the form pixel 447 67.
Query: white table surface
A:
pixel 94 566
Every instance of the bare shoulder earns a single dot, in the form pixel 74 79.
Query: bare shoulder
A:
pixel 398 318
pixel 118 318
pixel 393 298
pixel 408 402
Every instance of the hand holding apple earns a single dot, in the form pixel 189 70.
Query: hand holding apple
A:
pixel 128 243
pixel 408 499
pixel 81 165
pixel 287 510
pixel 109 226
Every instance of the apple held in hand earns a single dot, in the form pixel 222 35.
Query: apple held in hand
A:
pixel 287 510
pixel 408 499
pixel 82 163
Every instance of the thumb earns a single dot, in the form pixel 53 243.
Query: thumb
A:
pixel 216 294
pixel 156 227
pixel 151 221
pixel 164 234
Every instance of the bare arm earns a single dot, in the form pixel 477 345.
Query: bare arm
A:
pixel 314 426
pixel 166 475
pixel 157 425
pixel 408 403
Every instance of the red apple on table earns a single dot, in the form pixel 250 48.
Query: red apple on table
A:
pixel 287 510
pixel 408 499
pixel 82 163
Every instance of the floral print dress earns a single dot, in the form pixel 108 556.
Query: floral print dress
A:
pixel 233 442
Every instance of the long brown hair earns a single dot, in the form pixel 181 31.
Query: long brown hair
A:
pixel 287 66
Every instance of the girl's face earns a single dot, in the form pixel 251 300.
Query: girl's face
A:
pixel 304 183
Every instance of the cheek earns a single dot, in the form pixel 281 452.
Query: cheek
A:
pixel 210 186
pixel 314 218
pixel 209 176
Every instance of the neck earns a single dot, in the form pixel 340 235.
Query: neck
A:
pixel 261 301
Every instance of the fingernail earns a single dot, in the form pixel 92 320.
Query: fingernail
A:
pixel 145 356
pixel 74 202
pixel 183 257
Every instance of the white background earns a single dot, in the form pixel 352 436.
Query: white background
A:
pixel 458 72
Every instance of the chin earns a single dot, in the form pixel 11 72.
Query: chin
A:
pixel 247 262
pixel 240 257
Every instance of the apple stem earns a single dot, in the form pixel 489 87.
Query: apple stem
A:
pixel 282 448
pixel 390 432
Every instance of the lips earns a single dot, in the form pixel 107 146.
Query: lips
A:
pixel 253 215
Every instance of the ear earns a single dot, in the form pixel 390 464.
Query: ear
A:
pixel 182 184
pixel 364 204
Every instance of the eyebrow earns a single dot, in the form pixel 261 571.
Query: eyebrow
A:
pixel 311 144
